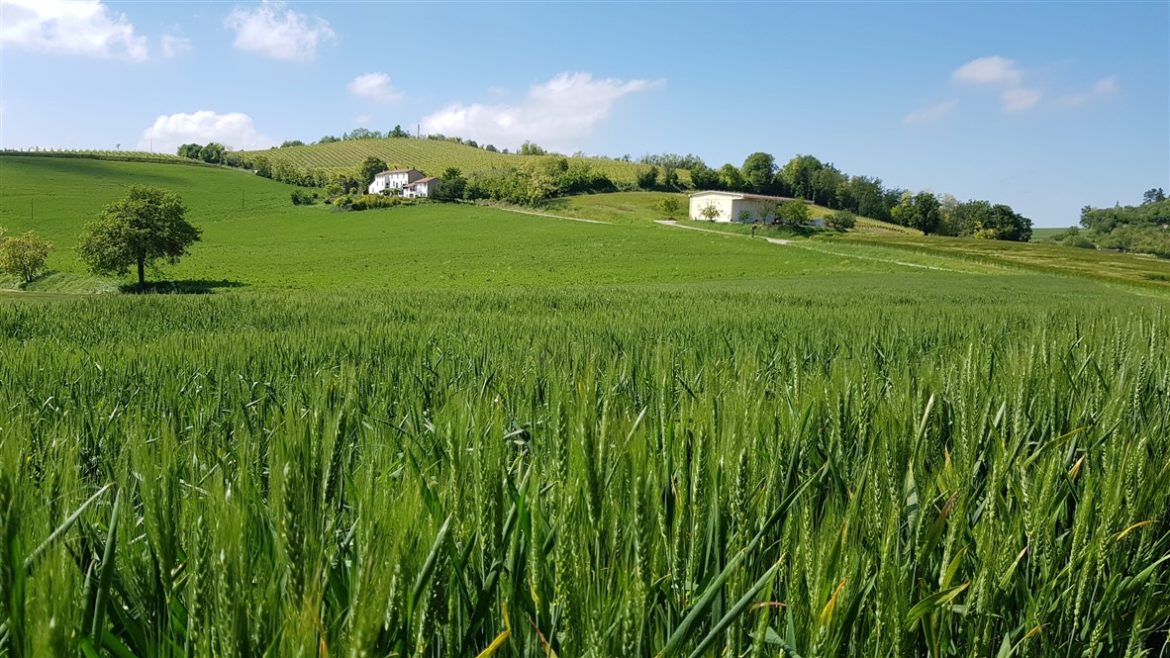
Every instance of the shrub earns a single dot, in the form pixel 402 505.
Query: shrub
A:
pixel 670 206
pixel 303 197
pixel 842 220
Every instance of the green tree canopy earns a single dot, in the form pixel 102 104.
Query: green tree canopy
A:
pixel 759 170
pixel 190 151
pixel 451 186
pixel 148 224
pixel 704 178
pixel 921 211
pixel 797 176
pixel 213 153
pixel 730 177
pixel 23 255
pixel 370 168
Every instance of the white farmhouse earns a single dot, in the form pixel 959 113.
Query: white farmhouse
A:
pixel 734 206
pixel 422 187
pixel 394 179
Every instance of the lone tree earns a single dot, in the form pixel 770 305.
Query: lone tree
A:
pixel 23 255
pixel 148 224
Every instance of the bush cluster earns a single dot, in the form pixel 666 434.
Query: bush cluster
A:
pixel 1142 229
pixel 304 197
pixel 369 201
pixel 536 182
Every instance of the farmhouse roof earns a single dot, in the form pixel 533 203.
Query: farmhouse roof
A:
pixel 397 171
pixel 745 195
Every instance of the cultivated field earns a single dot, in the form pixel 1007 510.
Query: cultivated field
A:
pixel 459 431
pixel 431 156
pixel 254 237
pixel 1138 269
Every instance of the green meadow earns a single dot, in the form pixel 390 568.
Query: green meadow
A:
pixel 455 430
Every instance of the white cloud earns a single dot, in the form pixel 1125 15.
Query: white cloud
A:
pixel 565 108
pixel 1019 98
pixel 1106 86
pixel 930 113
pixel 83 27
pixel 234 130
pixel 1000 72
pixel 374 86
pixel 273 30
pixel 173 46
pixel 361 120
pixel 994 70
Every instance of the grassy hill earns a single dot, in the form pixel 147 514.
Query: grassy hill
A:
pixel 429 155
pixel 1043 257
pixel 253 236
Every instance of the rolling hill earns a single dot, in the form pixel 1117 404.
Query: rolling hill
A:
pixel 253 236
pixel 429 155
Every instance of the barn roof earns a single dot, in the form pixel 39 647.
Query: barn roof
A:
pixel 742 195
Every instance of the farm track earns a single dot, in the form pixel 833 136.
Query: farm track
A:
pixel 671 222
pixel 549 215
pixel 802 245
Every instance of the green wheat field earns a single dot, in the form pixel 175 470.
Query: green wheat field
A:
pixel 460 431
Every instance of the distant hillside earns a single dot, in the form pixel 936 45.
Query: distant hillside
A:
pixel 429 155
pixel 118 156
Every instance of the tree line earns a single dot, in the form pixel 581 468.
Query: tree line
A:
pixel 1142 228
pixel 806 177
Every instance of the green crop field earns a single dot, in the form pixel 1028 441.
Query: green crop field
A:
pixel 429 155
pixel 1040 234
pixel 1128 268
pixel 454 430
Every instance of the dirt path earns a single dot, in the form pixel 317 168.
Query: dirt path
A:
pixel 674 224
pixel 789 243
pixel 547 214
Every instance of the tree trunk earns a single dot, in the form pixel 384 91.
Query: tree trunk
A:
pixel 141 272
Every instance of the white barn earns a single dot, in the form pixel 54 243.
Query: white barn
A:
pixel 394 179
pixel 423 187
pixel 734 206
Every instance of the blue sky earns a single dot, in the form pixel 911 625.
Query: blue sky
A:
pixel 1047 107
